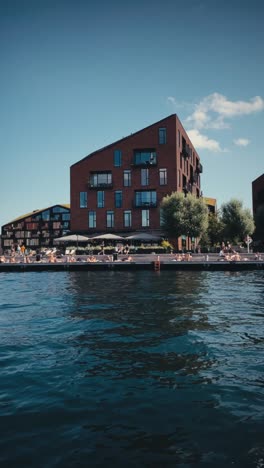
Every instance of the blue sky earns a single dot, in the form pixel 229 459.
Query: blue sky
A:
pixel 78 75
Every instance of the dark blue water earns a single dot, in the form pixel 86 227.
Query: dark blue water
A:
pixel 131 369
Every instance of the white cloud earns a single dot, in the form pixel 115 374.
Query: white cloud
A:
pixel 201 141
pixel 242 142
pixel 212 111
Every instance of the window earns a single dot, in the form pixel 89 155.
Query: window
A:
pixel 56 225
pixel 101 179
pixel 179 138
pixel 127 178
pixel 162 136
pixel 144 176
pixel 145 218
pixel 46 215
pixel 59 209
pixel 148 156
pixel 127 218
pixel 117 158
pixel 118 199
pixel 66 217
pixel 83 199
pixel 179 178
pixel 109 219
pixel 100 199
pixel 92 219
pixel 145 198
pixel 163 176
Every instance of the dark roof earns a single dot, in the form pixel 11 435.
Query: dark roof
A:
pixel 64 205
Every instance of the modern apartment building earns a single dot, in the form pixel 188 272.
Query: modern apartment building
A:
pixel 38 228
pixel 258 193
pixel 118 188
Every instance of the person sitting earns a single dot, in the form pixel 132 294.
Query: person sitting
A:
pixel 236 257
pixel 2 259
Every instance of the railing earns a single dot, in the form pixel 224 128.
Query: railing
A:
pixel 138 204
pixel 93 185
pixel 186 151
pixel 199 168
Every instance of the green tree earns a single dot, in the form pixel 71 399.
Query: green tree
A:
pixel 182 215
pixel 237 221
pixel 215 229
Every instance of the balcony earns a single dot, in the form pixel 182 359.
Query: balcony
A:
pixel 99 186
pixel 199 168
pixel 186 151
pixel 141 204
pixel 194 178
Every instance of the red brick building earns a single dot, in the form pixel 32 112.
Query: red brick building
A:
pixel 258 193
pixel 119 187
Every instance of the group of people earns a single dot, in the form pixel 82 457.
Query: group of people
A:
pixel 183 257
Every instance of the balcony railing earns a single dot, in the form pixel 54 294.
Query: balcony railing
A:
pixel 104 185
pixel 141 204
pixel 199 168
pixel 186 151
pixel 194 178
pixel 144 164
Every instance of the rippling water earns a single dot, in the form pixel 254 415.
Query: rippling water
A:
pixel 131 369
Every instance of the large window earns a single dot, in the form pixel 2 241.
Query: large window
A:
pixel 145 157
pixel 127 218
pixel 127 178
pixel 92 219
pixel 144 176
pixel 59 209
pixel 145 198
pixel 162 136
pixel 101 179
pixel 100 199
pixel 163 176
pixel 46 215
pixel 110 219
pixel 145 218
pixel 117 158
pixel 118 199
pixel 83 199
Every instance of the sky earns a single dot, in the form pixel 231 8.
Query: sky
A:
pixel 78 75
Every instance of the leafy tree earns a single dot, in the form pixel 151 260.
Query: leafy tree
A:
pixel 182 215
pixel 237 221
pixel 215 229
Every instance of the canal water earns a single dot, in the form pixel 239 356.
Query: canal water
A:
pixel 131 369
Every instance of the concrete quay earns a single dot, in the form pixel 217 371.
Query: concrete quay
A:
pixel 199 262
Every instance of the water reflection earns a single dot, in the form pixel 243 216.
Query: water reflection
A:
pixel 132 368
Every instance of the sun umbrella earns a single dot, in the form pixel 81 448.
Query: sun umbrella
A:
pixel 144 236
pixel 108 236
pixel 72 238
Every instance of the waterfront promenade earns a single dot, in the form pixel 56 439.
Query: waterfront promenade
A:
pixel 208 262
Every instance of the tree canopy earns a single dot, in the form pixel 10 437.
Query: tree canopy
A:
pixel 183 215
pixel 237 221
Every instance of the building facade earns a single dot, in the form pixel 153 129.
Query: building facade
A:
pixel 211 204
pixel 258 193
pixel 38 228
pixel 119 187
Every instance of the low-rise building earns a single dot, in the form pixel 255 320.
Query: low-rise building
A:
pixel 38 228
